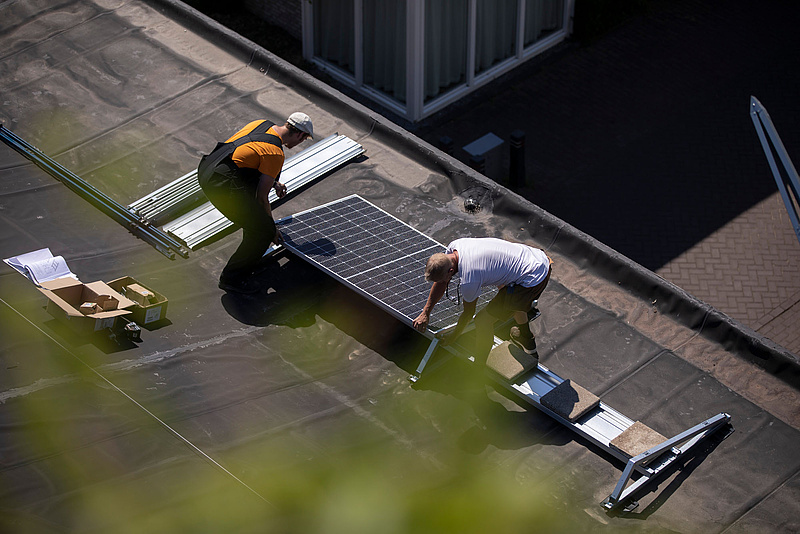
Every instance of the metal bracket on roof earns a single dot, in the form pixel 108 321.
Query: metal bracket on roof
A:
pixel 424 362
pixel 205 222
pixel 788 185
pixel 137 225
pixel 691 438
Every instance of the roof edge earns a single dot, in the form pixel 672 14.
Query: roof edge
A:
pixel 671 300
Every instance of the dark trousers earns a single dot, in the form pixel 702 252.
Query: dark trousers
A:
pixel 507 301
pixel 235 197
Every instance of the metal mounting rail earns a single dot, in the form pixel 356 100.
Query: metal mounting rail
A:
pixel 138 226
pixel 206 221
pixel 601 425
pixel 169 201
pixel 789 186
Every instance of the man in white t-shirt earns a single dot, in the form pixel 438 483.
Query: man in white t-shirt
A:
pixel 520 272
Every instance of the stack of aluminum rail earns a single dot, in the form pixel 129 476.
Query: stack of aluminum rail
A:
pixel 165 203
pixel 205 222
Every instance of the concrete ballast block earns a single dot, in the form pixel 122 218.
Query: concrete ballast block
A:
pixel 569 400
pixel 510 361
pixel 637 439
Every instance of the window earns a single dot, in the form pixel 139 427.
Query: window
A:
pixel 495 32
pixel 334 38
pixel 385 47
pixel 542 18
pixel 446 24
pixel 417 56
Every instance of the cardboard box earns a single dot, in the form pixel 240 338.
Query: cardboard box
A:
pixel 107 302
pixel 88 308
pixel 140 294
pixel 67 296
pixel 155 307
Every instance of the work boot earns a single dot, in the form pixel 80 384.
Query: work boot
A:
pixel 263 265
pixel 522 337
pixel 239 285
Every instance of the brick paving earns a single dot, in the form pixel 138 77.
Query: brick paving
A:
pixel 749 269
pixel 643 140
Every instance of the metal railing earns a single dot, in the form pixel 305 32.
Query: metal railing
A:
pixel 788 182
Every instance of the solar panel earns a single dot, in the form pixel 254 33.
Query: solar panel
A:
pixel 375 254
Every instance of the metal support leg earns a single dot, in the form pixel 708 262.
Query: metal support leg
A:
pixel 424 361
pixel 693 435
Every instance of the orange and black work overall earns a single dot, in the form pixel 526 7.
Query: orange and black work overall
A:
pixel 232 190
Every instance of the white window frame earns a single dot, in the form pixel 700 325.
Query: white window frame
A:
pixel 415 108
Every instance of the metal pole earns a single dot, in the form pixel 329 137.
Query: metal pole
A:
pixel 136 225
pixel 790 187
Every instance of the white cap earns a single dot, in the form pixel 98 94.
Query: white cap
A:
pixel 302 122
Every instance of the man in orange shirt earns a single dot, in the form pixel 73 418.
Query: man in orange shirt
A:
pixel 237 177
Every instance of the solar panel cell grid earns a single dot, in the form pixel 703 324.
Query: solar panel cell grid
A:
pixel 375 254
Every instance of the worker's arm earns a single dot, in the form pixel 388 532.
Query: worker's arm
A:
pixel 265 185
pixel 280 189
pixel 463 320
pixel 435 294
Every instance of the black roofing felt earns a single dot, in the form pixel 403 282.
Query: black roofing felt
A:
pixel 290 410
